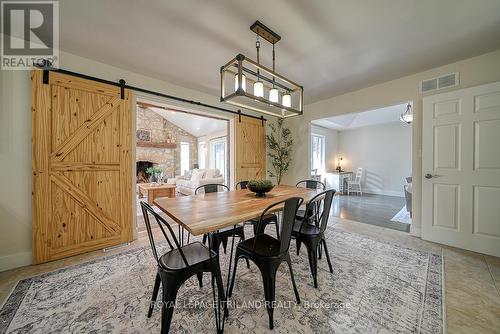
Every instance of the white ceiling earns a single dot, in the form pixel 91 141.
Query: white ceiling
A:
pixel 366 118
pixel 198 126
pixel 328 46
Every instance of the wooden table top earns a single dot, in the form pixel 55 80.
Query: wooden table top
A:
pixel 148 186
pixel 210 212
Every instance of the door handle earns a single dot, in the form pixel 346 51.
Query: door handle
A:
pixel 430 176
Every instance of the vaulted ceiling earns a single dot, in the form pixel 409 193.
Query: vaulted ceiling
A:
pixel 351 121
pixel 329 46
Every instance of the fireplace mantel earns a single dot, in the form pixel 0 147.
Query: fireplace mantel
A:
pixel 156 145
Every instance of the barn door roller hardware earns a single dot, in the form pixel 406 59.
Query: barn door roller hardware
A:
pixel 47 68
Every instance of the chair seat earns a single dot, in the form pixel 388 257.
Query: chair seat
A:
pixel 268 218
pixel 265 246
pixel 194 252
pixel 306 228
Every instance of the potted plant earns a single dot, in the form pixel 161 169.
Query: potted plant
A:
pixel 279 143
pixel 155 174
pixel 260 187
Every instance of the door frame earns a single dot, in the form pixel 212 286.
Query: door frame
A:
pixel 181 107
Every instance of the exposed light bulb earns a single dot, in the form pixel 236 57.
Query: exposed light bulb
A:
pixel 273 95
pixel 243 82
pixel 258 89
pixel 286 100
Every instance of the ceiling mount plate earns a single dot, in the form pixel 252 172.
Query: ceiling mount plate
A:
pixel 264 32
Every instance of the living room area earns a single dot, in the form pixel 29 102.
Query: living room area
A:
pixel 177 151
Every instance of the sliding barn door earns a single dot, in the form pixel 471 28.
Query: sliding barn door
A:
pixel 81 166
pixel 250 149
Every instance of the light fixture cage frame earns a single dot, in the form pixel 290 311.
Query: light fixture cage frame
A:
pixel 241 65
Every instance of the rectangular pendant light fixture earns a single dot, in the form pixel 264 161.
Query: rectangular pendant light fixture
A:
pixel 251 85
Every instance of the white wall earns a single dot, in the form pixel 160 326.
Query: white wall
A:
pixel 384 153
pixel 15 145
pixel 473 71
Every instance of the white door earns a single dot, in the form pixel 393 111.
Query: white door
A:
pixel 461 169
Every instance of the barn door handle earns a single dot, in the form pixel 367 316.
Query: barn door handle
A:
pixel 430 176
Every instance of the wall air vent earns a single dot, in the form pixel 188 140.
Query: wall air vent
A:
pixel 442 82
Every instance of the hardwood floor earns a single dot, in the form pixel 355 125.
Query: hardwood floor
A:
pixel 370 209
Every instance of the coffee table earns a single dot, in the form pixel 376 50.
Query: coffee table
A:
pixel 153 191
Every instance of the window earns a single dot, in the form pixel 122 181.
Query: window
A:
pixel 184 157
pixel 218 155
pixel 317 153
pixel 202 155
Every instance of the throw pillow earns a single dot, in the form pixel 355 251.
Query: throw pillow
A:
pixel 197 175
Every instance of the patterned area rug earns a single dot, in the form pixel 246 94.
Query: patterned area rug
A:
pixel 376 287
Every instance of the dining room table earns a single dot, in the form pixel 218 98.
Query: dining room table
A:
pixel 208 213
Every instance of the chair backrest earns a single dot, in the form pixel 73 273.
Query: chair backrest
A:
pixel 162 223
pixel 319 209
pixel 359 174
pixel 211 188
pixel 242 185
pixel 288 219
pixel 311 184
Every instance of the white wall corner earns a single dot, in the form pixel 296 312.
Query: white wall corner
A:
pixel 15 260
pixel 415 231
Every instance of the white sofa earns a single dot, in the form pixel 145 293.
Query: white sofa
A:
pixel 197 177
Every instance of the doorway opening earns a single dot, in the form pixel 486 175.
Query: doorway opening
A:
pixel 367 158
pixel 176 152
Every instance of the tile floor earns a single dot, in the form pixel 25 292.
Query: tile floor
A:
pixel 472 280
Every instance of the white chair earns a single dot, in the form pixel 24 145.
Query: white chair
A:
pixel 355 185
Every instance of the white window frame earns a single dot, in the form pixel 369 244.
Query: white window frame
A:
pixel 184 164
pixel 322 168
pixel 211 159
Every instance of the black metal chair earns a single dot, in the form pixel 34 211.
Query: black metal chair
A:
pixel 268 253
pixel 270 218
pixel 311 230
pixel 310 184
pixel 221 236
pixel 177 265
pixel 242 185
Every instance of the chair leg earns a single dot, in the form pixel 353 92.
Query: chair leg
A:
pixel 312 253
pixel 327 256
pixel 298 243
pixel 167 310
pixel 277 230
pixel 200 279
pixel 320 251
pixel 295 290
pixel 204 239
pixel 224 244
pixel 155 294
pixel 269 278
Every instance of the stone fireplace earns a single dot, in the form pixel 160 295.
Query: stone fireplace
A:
pixel 158 145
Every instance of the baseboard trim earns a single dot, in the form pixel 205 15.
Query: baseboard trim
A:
pixel 384 192
pixel 16 260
